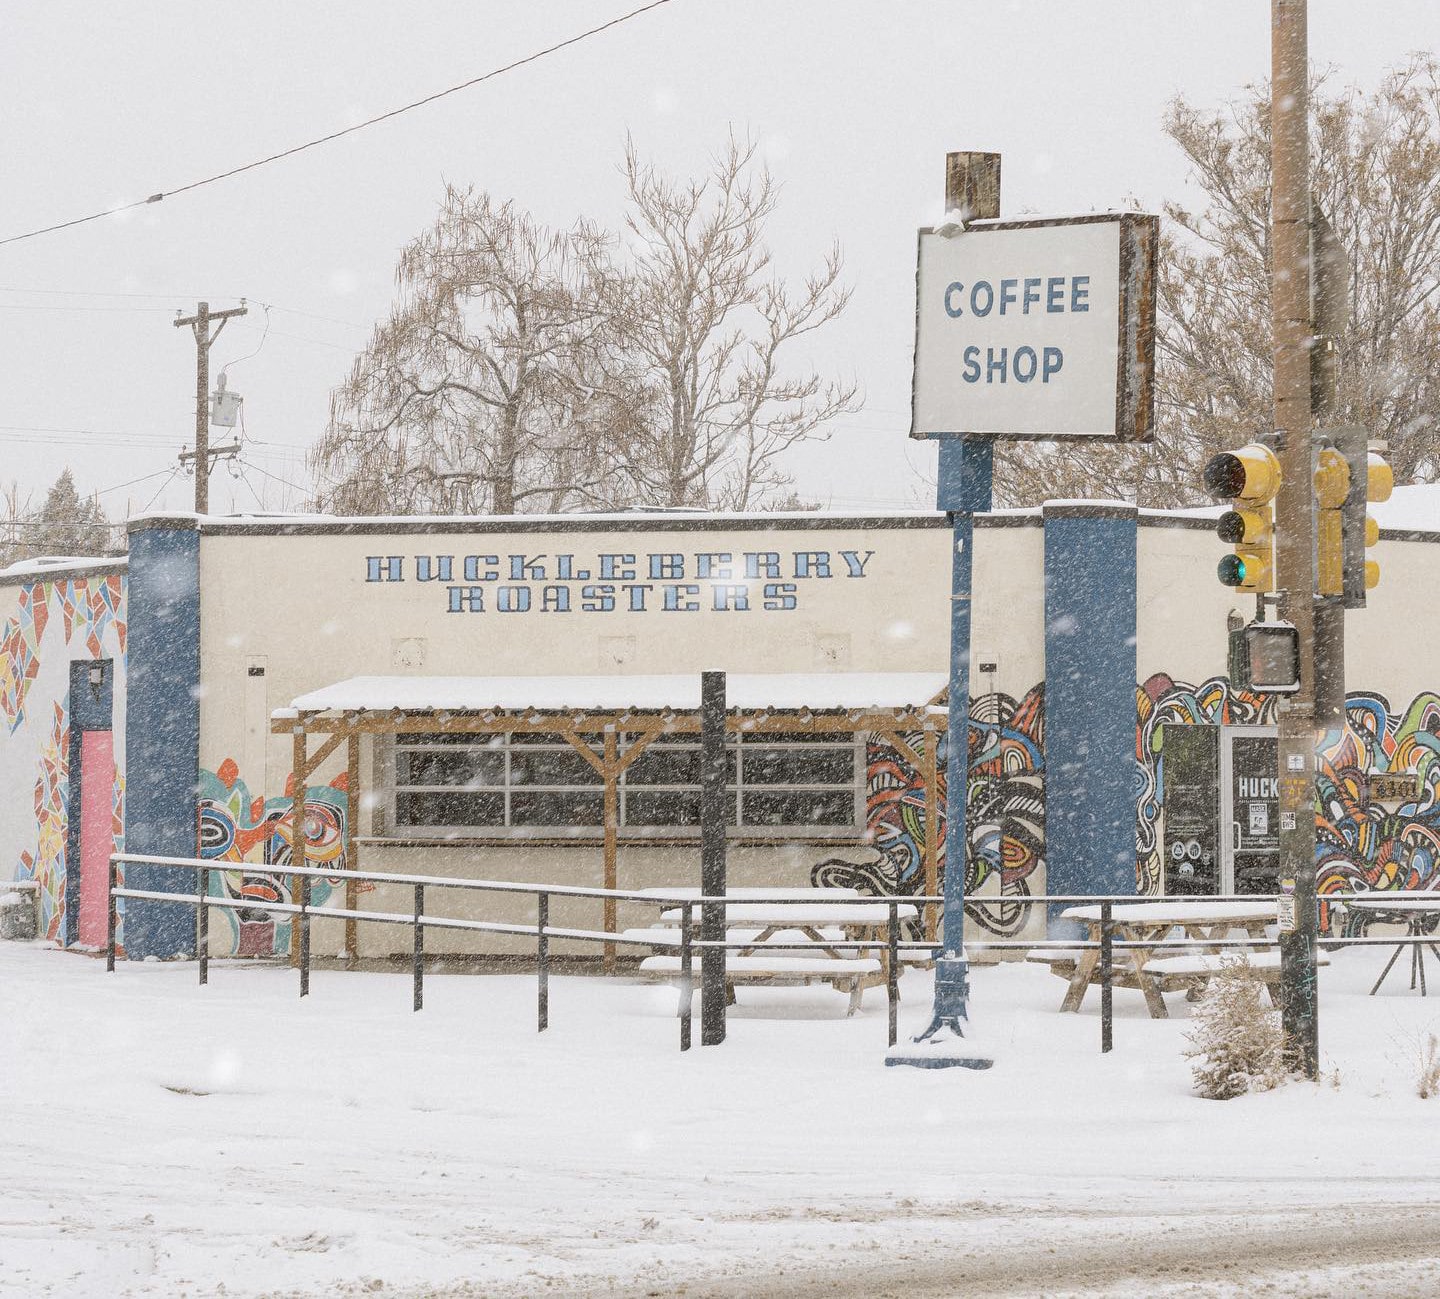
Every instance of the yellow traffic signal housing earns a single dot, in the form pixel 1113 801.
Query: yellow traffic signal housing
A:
pixel 1332 486
pixel 1249 478
pixel 1379 483
pixel 1371 479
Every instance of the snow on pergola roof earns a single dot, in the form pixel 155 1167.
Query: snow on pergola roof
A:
pixel 679 692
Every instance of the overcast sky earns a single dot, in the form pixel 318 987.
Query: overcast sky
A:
pixel 855 105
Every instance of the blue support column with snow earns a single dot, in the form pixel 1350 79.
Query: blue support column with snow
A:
pixel 163 729
pixel 1090 610
pixel 963 489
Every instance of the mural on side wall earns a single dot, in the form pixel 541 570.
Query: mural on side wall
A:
pixel 256 832
pixel 1361 842
pixel 90 615
pixel 1005 804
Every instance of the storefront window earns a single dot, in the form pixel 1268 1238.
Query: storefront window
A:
pixel 778 783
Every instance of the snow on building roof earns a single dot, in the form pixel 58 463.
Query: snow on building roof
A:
pixel 750 692
pixel 55 563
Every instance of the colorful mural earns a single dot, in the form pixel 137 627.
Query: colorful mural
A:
pixel 1361 842
pixel 256 832
pixel 90 605
pixel 89 614
pixel 1005 820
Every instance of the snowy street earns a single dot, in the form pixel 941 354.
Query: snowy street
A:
pixel 165 1139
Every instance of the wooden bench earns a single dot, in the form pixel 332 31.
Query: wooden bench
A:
pixel 1190 972
pixel 844 974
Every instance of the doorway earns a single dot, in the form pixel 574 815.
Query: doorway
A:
pixel 90 834
pixel 1222 813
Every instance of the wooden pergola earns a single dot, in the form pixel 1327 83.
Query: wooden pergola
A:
pixel 905 704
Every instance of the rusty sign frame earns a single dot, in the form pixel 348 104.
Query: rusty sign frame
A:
pixel 1139 236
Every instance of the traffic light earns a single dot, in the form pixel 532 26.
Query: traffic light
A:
pixel 1332 490
pixel 1249 479
pixel 1379 483
pixel 1371 479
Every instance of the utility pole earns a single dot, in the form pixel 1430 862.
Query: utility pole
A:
pixel 203 456
pixel 1295 517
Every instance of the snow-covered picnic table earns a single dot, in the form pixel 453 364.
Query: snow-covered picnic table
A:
pixel 785 936
pixel 1203 922
pixel 1418 912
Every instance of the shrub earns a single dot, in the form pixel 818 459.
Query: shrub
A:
pixel 1428 1083
pixel 1236 1041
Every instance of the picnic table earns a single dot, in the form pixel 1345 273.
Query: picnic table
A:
pixel 1419 913
pixel 1204 923
pixel 767 924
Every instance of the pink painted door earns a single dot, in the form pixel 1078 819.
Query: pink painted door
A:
pixel 97 781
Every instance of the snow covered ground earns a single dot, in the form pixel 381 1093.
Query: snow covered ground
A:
pixel 159 1138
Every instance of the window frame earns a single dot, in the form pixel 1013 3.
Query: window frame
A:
pixel 856 743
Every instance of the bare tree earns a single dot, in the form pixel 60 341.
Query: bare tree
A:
pixel 703 329
pixel 1375 162
pixel 472 395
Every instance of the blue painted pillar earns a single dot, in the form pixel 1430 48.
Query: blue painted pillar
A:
pixel 1090 558
pixel 963 489
pixel 162 729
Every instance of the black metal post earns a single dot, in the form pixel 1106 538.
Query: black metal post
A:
pixel 542 962
pixel 304 935
pixel 1107 975
pixel 892 972
pixel 110 921
pixel 687 976
pixel 419 958
pixel 712 856
pixel 202 927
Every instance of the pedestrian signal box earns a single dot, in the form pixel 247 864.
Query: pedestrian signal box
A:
pixel 1249 479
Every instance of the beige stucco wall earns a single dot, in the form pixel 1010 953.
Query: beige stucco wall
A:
pixel 300 607
pixel 1008 608
pixel 286 614
pixel 1181 607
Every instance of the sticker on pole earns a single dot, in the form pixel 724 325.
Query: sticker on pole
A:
pixel 1037 329
pixel 1285 907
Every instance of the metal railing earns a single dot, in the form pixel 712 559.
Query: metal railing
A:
pixel 688 905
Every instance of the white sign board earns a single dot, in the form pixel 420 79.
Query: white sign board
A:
pixel 1038 329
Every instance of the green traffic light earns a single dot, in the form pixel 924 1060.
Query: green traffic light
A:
pixel 1231 571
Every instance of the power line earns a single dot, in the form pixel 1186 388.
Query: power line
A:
pixel 348 130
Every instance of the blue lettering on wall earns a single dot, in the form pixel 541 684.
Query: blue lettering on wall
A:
pixel 566 591
pixel 812 563
pixel 527 570
pixel 953 296
pixel 385 568
pixel 433 568
pixel 712 565
pixel 466 599
pixel 734 595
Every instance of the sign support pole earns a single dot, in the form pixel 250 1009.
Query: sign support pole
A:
pixel 963 489
pixel 1295 513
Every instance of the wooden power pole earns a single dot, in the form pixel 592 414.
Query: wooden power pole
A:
pixel 202 455
pixel 1291 316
